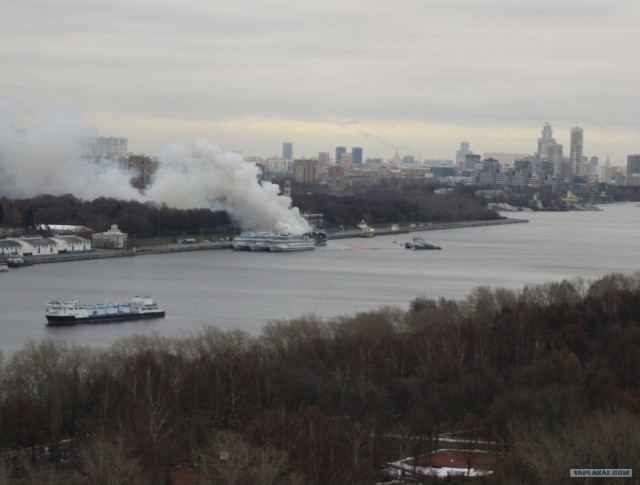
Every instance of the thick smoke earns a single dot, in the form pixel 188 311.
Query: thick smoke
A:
pixel 211 177
pixel 46 158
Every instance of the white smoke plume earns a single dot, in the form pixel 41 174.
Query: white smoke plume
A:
pixel 213 178
pixel 46 158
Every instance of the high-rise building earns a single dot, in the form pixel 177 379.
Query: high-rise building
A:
pixel 324 159
pixel 356 156
pixel 605 172
pixel 305 171
pixel 472 162
pixel 633 169
pixel 336 179
pixel 346 161
pixel 593 165
pixel 545 141
pixel 488 175
pixel 575 153
pixel 555 156
pixel 339 152
pixel 463 152
pixel 287 151
pixel 107 147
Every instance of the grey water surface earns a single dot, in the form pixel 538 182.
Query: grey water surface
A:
pixel 244 290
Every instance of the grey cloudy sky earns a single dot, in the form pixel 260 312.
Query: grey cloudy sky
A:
pixel 247 74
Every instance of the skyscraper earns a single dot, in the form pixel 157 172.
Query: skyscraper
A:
pixel 575 153
pixel 339 152
pixel 633 169
pixel 545 141
pixel 555 157
pixel 287 151
pixel 605 172
pixel 356 156
pixel 463 152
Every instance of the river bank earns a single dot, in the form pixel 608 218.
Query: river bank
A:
pixel 427 227
pixel 206 246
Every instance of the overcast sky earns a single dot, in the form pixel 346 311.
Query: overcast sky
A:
pixel 247 75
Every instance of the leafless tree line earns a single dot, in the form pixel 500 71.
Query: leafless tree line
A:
pixel 549 376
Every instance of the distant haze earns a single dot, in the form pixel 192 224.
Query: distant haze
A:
pixel 418 76
pixel 46 159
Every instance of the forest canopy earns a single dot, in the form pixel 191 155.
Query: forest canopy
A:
pixel 133 217
pixel 547 377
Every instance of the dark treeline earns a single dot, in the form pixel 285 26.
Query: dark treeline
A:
pixel 150 219
pixel 624 192
pixel 549 375
pixel 135 218
pixel 390 203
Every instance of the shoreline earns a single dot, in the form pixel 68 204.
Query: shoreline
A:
pixel 179 248
pixel 433 226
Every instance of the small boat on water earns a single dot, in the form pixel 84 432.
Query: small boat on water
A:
pixel 69 312
pixel 418 243
pixel 584 207
pixel 3 267
pixel 18 261
pixel 366 230
pixel 320 237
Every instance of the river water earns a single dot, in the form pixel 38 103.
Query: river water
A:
pixel 244 290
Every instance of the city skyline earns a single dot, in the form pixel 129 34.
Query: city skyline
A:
pixel 417 77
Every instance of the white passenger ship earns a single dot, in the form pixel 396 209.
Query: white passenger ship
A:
pixel 278 242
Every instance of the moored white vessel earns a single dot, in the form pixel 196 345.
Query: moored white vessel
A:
pixel 260 241
pixel 243 241
pixel 291 242
pixel 279 241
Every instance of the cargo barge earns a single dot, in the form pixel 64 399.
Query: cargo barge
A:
pixel 69 312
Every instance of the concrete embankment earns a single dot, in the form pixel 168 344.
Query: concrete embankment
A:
pixel 458 225
pixel 427 227
pixel 104 253
pixel 178 248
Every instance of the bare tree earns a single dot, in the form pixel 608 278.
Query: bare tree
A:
pixel 106 461
pixel 268 466
pixel 230 459
pixel 225 460
pixel 5 471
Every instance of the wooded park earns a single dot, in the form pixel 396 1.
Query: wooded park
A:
pixel 150 219
pixel 545 379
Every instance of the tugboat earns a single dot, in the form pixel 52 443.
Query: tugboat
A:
pixel 320 237
pixel 419 243
pixel 366 230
